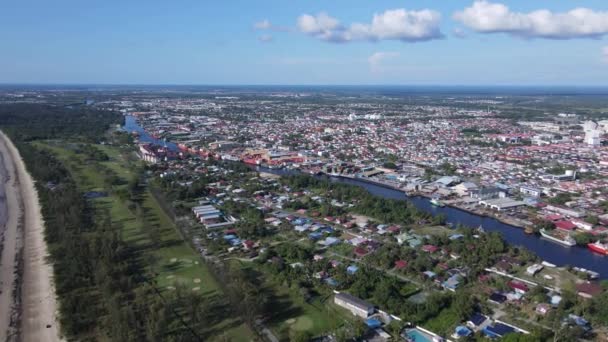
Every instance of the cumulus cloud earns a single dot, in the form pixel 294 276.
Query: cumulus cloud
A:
pixel 487 17
pixel 262 25
pixel 605 54
pixel 396 24
pixel 376 60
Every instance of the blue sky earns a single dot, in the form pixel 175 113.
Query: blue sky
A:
pixel 542 42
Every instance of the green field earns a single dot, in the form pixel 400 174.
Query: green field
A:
pixel 170 259
pixel 318 316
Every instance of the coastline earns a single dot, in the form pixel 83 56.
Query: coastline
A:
pixel 34 308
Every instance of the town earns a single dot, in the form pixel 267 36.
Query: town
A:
pixel 372 220
pixel 544 175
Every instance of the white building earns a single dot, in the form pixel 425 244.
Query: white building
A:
pixel 357 306
pixel 592 133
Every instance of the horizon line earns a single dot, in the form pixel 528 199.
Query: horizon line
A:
pixel 299 84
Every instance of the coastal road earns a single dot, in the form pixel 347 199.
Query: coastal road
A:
pixel 28 307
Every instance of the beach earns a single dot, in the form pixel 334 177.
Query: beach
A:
pixel 28 305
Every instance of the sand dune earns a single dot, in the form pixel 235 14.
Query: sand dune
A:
pixel 33 309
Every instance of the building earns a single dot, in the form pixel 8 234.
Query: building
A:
pixel 465 188
pixel 485 193
pixel 147 154
pixel 565 211
pixel 592 133
pixel 530 191
pixel 356 306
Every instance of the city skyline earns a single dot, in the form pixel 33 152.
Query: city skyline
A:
pixel 309 43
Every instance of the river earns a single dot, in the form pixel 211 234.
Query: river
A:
pixel 548 251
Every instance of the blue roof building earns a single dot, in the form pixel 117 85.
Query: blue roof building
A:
pixel 476 320
pixel 352 269
pixel 462 331
pixel 373 323
pixel 498 330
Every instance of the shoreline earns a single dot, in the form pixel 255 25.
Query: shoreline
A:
pixel 37 309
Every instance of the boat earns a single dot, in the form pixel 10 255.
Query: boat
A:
pixel 436 202
pixel 480 229
pixel 598 247
pixel 564 240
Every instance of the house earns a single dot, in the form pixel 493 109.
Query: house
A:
pixel 579 321
pixel 532 270
pixel 476 321
pixel 497 298
pixel 356 306
pixel 588 289
pixel 498 330
pixel 248 245
pixel 518 286
pixel 452 283
pixel 373 323
pixel 542 309
pixel 352 269
pixel 461 331
pixel 360 252
pixel 429 274
pixel 430 248
pixel 330 241
pixel 400 264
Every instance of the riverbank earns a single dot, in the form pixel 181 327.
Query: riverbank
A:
pixel 506 220
pixel 27 277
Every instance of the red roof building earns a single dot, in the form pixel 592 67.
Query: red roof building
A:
pixel 430 248
pixel 360 251
pixel 588 289
pixel 565 225
pixel 518 286
pixel 400 264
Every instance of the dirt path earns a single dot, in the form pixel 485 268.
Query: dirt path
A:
pixel 38 306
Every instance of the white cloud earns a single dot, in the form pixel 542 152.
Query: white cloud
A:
pixel 605 54
pixel 488 17
pixel 397 24
pixel 376 60
pixel 459 32
pixel 265 38
pixel 262 25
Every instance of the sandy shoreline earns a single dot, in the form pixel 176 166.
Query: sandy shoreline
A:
pixel 36 301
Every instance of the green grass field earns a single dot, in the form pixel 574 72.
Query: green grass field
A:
pixel 318 316
pixel 172 260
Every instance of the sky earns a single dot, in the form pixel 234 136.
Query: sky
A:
pixel 334 42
